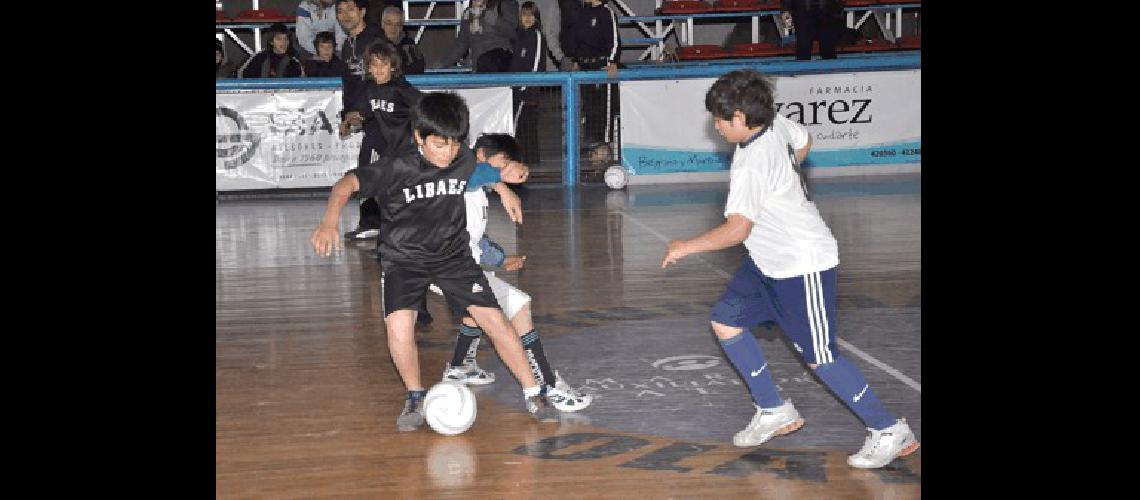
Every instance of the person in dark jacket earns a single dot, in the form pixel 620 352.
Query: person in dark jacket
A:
pixel 590 40
pixel 816 20
pixel 222 67
pixel 325 64
pixel 277 60
pixel 351 14
pixel 392 24
pixel 487 31
pixel 529 55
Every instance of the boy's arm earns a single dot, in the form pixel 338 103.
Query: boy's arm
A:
pixel 304 30
pixel 734 231
pixel 511 201
pixel 802 152
pixel 327 235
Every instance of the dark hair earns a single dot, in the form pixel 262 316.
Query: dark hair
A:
pixel 440 113
pixel 360 4
pixel 276 28
pixel 383 49
pixel 746 90
pixel 493 144
pixel 528 5
pixel 324 37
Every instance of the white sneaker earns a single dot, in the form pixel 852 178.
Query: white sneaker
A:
pixel 883 446
pixel 564 397
pixel 467 373
pixel 768 423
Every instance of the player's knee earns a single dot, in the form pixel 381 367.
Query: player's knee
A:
pixel 724 331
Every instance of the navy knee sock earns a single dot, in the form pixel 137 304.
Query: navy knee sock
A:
pixel 745 354
pixel 847 382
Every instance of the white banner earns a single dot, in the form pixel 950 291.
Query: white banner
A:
pixel 288 139
pixel 854 119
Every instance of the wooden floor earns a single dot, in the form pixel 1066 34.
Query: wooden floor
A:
pixel 307 396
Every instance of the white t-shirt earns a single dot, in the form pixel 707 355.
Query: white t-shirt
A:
pixel 476 201
pixel 788 238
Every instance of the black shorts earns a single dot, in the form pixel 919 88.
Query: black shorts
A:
pixel 461 280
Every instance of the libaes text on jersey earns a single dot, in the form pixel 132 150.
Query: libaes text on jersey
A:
pixel 433 189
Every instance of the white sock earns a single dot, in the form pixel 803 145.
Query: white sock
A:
pixel 532 391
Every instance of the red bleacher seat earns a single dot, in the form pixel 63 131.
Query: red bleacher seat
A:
pixel 870 45
pixel 859 3
pixel 909 42
pixel 887 2
pixel 263 16
pixel 759 50
pixel 221 17
pixel 685 7
pixel 698 52
pixel 740 5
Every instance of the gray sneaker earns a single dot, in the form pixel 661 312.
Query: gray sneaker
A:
pixel 413 415
pixel 541 409
pixel 769 423
pixel 883 446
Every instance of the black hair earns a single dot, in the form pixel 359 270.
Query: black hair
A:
pixel 493 144
pixel 360 4
pixel 440 113
pixel 528 5
pixel 383 49
pixel 276 28
pixel 746 90
pixel 324 37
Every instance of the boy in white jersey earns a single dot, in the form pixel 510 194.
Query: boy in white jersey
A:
pixel 498 154
pixel 788 275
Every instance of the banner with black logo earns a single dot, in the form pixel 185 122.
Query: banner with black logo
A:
pixel 289 139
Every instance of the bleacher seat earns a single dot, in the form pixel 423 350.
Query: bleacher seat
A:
pixel 221 17
pixel 859 3
pixel 888 2
pixel 744 5
pixel 685 7
pixel 700 52
pixel 909 42
pixel 759 50
pixel 263 16
pixel 866 45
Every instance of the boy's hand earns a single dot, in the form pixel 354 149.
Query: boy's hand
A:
pixel 612 70
pixel 325 239
pixel 674 252
pixel 514 262
pixel 511 203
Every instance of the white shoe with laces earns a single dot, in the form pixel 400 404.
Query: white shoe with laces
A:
pixel 883 446
pixel 769 423
pixel 565 398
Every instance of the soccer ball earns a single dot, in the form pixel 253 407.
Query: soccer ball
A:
pixel 449 408
pixel 616 177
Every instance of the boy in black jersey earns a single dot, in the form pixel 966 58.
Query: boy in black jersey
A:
pixel 423 240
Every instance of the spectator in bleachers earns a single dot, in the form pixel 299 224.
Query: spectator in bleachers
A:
pixel 590 39
pixel 820 20
pixel 277 60
pixel 376 11
pixel 316 16
pixel 529 55
pixel 550 33
pixel 325 64
pixel 222 67
pixel 487 30
pixel 392 23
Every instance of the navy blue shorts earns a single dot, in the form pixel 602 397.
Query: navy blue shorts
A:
pixel 803 306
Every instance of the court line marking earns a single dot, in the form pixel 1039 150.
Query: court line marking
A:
pixel 846 345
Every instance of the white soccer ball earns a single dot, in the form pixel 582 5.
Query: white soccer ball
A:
pixel 616 177
pixel 449 408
